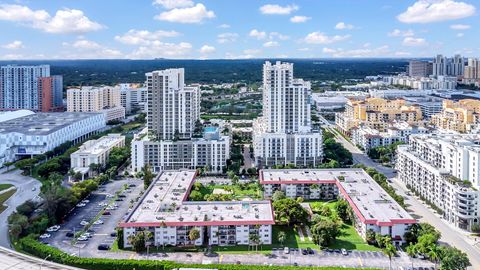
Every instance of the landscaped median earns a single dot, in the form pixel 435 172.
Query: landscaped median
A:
pixel 5 195
pixel 30 246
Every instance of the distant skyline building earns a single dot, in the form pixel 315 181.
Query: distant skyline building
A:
pixel 284 134
pixel 472 69
pixel 420 68
pixel 96 99
pixel 133 97
pixel 174 138
pixel 31 88
pixel 444 66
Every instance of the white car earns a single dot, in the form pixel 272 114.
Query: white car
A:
pixel 54 228
pixel 85 201
pixel 81 204
pixel 87 234
pixel 83 222
pixel 103 204
pixel 82 238
pixel 45 236
pixel 98 222
pixel 109 196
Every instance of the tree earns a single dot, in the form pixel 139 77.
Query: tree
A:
pixel 235 180
pixel 194 234
pixel 147 176
pixel 453 259
pixel 281 237
pixel 26 165
pixel 390 251
pixel 254 240
pixel 412 252
pixel 344 211
pixel 139 240
pixel 288 211
pixel 196 195
pixel 278 195
pixel 370 236
pixel 57 200
pixel 325 232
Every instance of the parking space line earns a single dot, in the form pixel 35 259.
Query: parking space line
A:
pixel 360 261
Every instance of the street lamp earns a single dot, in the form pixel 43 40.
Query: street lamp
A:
pixel 44 261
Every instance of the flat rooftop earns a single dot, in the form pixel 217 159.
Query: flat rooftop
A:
pixel 165 203
pixel 368 199
pixel 95 147
pixel 43 123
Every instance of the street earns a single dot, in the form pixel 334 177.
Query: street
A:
pixel 24 185
pixel 451 236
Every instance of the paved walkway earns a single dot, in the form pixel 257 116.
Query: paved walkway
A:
pixel 13 260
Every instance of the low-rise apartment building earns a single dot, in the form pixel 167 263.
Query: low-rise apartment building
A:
pixel 95 152
pixel 444 170
pixel 133 97
pixel 462 116
pixel 374 209
pixel 96 99
pixel 165 211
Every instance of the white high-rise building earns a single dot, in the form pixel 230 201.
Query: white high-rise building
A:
pixel 444 66
pixel 443 169
pixel 19 86
pixel 133 97
pixel 96 99
pixel 284 134
pixel 171 141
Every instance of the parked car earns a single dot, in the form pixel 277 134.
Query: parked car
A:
pixel 81 204
pixel 344 252
pixel 103 247
pixel 122 196
pixel 69 234
pixel 98 222
pixel 106 213
pixel 119 200
pixel 304 252
pixel 132 185
pixel 54 228
pixel 310 251
pixel 113 234
pixel 83 222
pixel 286 250
pixel 45 236
pixel 82 238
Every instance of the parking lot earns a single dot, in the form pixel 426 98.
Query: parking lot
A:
pixel 100 234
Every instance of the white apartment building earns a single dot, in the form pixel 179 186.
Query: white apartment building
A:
pixel 328 103
pixel 420 68
pixel 165 211
pixel 441 168
pixel 284 134
pixel 133 97
pixel 95 152
pixel 444 66
pixel 169 141
pixel 38 133
pixel 423 83
pixel 374 209
pixel 96 99
pixel 429 105
pixel 368 137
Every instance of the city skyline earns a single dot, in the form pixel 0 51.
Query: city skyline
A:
pixel 210 29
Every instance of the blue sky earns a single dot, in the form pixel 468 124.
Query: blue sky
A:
pixel 210 29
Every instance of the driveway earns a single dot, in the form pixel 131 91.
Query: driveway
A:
pixel 24 185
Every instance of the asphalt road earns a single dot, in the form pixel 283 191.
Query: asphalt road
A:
pixel 416 207
pixel 24 185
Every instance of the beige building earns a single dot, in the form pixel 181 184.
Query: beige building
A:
pixel 96 99
pixel 461 116
pixel 376 113
pixel 95 152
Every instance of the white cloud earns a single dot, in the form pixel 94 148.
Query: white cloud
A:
pixel 460 34
pixel 459 26
pixel 160 49
pixel 170 4
pixel 357 53
pixel 414 42
pixel 299 19
pixel 427 11
pixel 144 37
pixel 269 44
pixel 65 21
pixel 277 9
pixel 206 49
pixel 400 33
pixel 257 34
pixel 343 26
pixel 321 38
pixel 227 37
pixel 252 51
pixel 17 44
pixel 274 35
pixel 402 54
pixel 195 14
pixel 224 26
pixel 88 49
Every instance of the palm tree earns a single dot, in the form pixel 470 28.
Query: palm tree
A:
pixel 255 240
pixel 411 251
pixel 194 234
pixel 282 236
pixel 433 254
pixel 390 251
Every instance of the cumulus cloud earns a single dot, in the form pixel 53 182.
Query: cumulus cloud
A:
pixel 428 11
pixel 170 4
pixel 257 34
pixel 276 35
pixel 277 9
pixel 252 51
pixel 321 38
pixel 357 53
pixel 414 42
pixel 270 44
pixel 194 14
pixel 206 49
pixel 64 21
pixel 14 45
pixel 88 49
pixel 299 19
pixel 227 37
pixel 401 33
pixel 158 49
pixel 459 26
pixel 224 26
pixel 343 26
pixel 144 37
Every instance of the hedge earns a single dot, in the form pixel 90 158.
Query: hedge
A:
pixel 31 246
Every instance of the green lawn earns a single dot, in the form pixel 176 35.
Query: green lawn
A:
pixel 4 197
pixel 5 186
pixel 251 190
